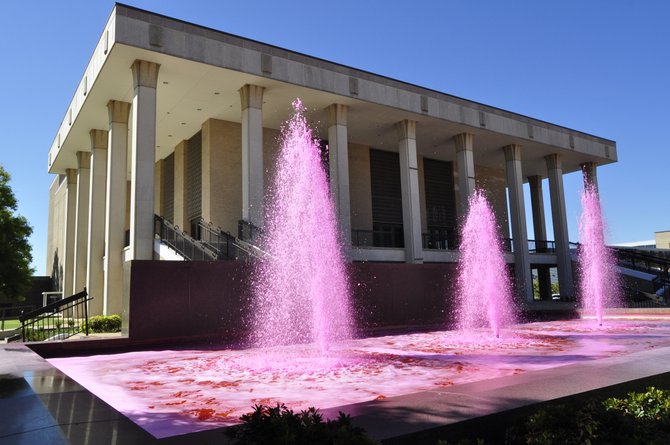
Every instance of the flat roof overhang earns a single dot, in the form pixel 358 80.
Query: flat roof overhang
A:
pixel 202 70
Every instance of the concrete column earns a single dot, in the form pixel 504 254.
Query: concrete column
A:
pixel 115 205
pixel 590 174
pixel 143 158
pixel 96 221
pixel 180 214
pixel 465 165
pixel 158 188
pixel 81 221
pixel 560 220
pixel 338 161
pixel 524 284
pixel 251 97
pixel 409 184
pixel 70 231
pixel 540 233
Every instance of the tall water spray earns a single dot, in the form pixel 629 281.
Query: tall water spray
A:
pixel 301 293
pixel 483 293
pixel 598 283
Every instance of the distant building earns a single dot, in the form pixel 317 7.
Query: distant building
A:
pixel 644 244
pixel 180 121
pixel 663 239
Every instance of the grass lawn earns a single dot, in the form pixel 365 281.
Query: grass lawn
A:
pixel 10 324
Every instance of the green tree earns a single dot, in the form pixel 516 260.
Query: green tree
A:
pixel 15 251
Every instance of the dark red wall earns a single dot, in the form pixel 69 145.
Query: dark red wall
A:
pixel 179 299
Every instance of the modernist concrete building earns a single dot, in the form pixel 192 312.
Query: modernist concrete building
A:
pixel 181 121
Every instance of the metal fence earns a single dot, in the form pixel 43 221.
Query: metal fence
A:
pixel 57 321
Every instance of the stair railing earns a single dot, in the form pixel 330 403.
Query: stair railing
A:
pixel 57 321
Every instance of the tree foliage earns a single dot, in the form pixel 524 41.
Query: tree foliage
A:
pixel 15 250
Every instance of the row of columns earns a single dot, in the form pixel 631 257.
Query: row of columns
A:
pixel 97 193
pixel 466 182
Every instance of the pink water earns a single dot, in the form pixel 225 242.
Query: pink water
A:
pixel 484 297
pixel 301 293
pixel 180 391
pixel 598 282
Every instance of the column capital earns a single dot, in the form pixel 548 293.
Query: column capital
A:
pixel 118 112
pixel 83 159
pixel 589 174
pixel 512 152
pixel 406 129
pixel 337 114
pixel 71 175
pixel 145 73
pixel 535 181
pixel 251 96
pixel 99 139
pixel 464 141
pixel 554 162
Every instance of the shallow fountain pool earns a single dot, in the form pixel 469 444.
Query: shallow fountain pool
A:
pixel 179 391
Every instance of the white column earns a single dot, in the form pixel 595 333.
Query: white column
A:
pixel 540 233
pixel 143 158
pixel 338 161
pixel 590 174
pixel 465 165
pixel 96 221
pixel 81 221
pixel 251 97
pixel 524 284
pixel 115 205
pixel 560 221
pixel 409 185
pixel 70 225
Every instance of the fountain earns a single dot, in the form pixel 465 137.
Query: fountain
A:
pixel 599 282
pixel 483 291
pixel 300 291
pixel 303 315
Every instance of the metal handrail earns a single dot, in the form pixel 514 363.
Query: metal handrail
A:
pixel 181 242
pixel 57 321
pixel 217 239
pixel 248 232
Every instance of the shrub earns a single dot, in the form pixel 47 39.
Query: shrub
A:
pixel 639 418
pixel 104 323
pixel 280 425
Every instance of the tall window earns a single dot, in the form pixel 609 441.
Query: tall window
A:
pixel 386 199
pixel 440 204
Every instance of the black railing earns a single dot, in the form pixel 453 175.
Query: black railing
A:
pixel 362 238
pixel 380 236
pixel 541 246
pixel 218 240
pixel 57 321
pixel 248 232
pixel 181 242
pixel 440 238
pixel 643 262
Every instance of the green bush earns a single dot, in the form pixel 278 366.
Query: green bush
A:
pixel 281 426
pixel 638 419
pixel 104 323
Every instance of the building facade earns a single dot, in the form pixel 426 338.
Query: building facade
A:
pixel 181 121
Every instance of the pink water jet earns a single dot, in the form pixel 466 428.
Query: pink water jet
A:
pixel 300 292
pixel 484 297
pixel 598 283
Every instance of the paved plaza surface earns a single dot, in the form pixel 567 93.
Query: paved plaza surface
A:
pixel 398 387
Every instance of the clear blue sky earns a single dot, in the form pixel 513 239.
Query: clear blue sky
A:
pixel 602 67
